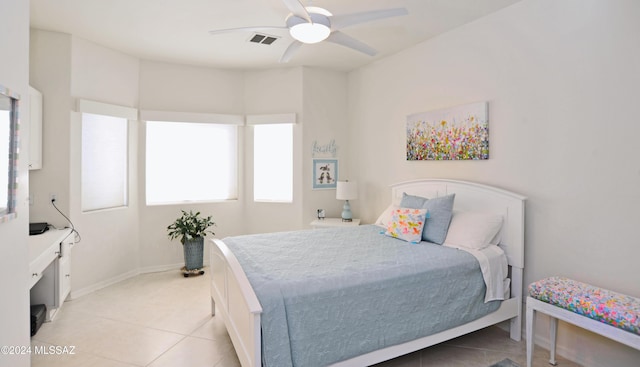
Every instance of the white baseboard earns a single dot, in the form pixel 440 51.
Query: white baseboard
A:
pixel 130 274
pixel 105 283
pixel 160 268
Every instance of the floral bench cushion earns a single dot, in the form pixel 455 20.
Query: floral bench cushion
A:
pixel 600 304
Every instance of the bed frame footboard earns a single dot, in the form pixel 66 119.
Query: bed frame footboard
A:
pixel 236 303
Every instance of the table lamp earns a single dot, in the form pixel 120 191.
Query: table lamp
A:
pixel 346 190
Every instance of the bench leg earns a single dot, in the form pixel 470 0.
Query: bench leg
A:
pixel 213 307
pixel 553 334
pixel 531 320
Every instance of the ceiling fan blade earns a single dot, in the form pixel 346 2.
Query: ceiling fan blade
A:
pixel 342 21
pixel 291 50
pixel 350 42
pixel 297 9
pixel 245 29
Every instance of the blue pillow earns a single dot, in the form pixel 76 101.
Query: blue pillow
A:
pixel 438 218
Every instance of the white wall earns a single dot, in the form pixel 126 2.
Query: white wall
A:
pixel 172 87
pixel 102 74
pixel 50 73
pixel 319 99
pixel 181 88
pixel 325 123
pixel 561 80
pixel 273 92
pixel 65 68
pixel 109 247
pixel 14 272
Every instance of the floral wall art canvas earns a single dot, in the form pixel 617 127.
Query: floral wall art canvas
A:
pixel 456 133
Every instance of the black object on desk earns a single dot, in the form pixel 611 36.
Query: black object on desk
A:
pixel 38 228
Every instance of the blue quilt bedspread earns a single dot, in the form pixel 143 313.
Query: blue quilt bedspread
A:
pixel 332 294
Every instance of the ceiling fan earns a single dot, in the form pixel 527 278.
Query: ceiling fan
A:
pixel 310 24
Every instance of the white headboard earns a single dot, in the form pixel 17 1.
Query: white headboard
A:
pixel 476 197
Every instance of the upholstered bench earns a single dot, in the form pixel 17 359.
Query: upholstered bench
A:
pixel 610 314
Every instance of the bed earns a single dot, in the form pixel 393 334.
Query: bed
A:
pixel 255 329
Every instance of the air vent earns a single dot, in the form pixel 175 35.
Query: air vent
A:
pixel 263 39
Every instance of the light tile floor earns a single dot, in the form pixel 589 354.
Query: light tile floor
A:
pixel 163 320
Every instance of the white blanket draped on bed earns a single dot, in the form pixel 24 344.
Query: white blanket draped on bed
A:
pixel 494 267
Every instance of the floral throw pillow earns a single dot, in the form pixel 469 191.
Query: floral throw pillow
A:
pixel 406 224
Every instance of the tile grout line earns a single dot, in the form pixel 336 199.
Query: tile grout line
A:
pixel 166 350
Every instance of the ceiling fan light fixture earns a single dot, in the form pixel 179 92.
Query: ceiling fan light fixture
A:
pixel 310 32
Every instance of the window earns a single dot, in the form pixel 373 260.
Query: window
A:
pixel 189 161
pixel 273 162
pixel 104 161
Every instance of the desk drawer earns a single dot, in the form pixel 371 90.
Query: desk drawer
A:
pixel 34 278
pixel 37 267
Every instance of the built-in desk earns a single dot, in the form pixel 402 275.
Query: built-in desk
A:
pixel 50 268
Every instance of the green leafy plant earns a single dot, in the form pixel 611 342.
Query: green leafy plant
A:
pixel 189 226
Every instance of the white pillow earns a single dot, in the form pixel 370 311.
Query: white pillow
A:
pixel 474 230
pixel 385 218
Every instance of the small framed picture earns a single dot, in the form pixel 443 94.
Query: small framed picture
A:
pixel 320 214
pixel 325 173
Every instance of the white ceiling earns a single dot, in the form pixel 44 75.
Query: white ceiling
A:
pixel 177 30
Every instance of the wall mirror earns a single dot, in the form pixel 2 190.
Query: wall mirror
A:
pixel 8 153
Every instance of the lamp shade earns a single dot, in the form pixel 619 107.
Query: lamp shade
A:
pixel 346 190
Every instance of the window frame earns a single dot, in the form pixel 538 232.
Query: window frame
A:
pixel 272 119
pixel 288 200
pixel 126 176
pixel 188 117
pixel 130 115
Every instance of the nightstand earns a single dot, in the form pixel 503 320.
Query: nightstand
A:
pixel 333 222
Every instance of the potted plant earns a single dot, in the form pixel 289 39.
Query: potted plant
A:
pixel 191 228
